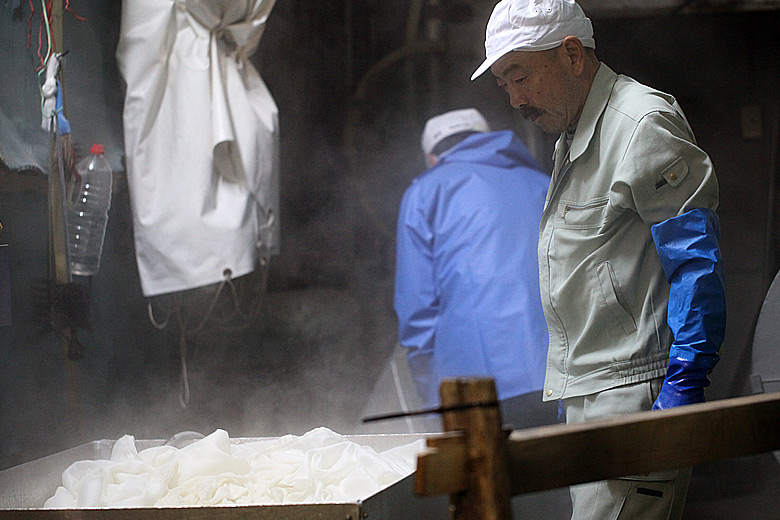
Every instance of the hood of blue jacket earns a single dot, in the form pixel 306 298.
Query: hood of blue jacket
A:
pixel 502 149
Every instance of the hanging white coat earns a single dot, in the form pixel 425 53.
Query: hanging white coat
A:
pixel 201 140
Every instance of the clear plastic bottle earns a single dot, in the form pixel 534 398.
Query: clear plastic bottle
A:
pixel 89 202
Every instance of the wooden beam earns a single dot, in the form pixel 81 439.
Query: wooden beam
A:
pixel 551 457
pixel 487 494
pixel 441 468
pixel 557 456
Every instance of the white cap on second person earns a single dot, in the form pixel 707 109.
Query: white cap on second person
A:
pixel 451 123
pixel 533 25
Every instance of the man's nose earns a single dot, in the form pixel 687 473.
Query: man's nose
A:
pixel 516 98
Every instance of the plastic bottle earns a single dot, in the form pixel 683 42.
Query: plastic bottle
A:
pixel 88 212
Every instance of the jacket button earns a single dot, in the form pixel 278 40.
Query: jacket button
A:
pixel 549 393
pixel 673 176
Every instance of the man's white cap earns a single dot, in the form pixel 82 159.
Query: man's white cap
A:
pixel 533 25
pixel 451 123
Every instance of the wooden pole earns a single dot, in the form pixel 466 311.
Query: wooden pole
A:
pixel 56 193
pixel 58 236
pixel 487 493
pixel 56 23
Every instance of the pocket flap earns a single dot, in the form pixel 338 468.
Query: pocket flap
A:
pixel 675 172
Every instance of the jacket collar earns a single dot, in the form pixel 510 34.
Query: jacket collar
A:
pixel 598 96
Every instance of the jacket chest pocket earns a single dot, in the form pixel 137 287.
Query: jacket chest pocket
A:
pixel 583 281
pixel 576 235
pixel 586 215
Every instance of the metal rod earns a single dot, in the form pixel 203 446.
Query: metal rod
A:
pixel 439 409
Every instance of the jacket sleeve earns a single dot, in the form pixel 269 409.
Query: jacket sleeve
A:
pixel 664 173
pixel 416 299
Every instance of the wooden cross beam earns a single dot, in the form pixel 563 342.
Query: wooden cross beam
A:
pixel 561 455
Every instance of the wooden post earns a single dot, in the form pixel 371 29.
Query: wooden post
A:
pixel 56 23
pixel 58 236
pixel 487 493
pixel 58 233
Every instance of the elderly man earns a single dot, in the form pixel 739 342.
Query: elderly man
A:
pixel 630 269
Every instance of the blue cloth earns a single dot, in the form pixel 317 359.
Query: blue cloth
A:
pixel 688 248
pixel 62 123
pixel 467 284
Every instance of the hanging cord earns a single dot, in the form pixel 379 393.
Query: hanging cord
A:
pixel 71 11
pixel 184 391
pixel 45 22
pixel 44 26
pixel 186 331
pixel 176 311
pixel 29 24
pixel 247 317
pixel 228 324
pixel 157 325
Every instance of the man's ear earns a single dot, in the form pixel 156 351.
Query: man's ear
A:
pixel 575 53
pixel 431 160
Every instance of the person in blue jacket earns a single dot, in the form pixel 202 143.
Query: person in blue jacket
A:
pixel 466 282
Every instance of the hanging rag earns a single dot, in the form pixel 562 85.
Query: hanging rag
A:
pixel 201 140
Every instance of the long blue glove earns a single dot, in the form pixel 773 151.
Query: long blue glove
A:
pixel 688 248
pixel 684 384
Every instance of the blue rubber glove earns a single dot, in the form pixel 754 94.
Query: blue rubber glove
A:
pixel 684 384
pixel 688 248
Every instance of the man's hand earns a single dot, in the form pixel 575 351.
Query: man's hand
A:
pixel 684 384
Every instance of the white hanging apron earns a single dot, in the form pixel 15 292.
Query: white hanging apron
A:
pixel 201 140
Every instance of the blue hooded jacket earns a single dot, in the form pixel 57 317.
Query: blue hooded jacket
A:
pixel 467 283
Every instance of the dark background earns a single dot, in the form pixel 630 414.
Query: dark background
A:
pixel 354 88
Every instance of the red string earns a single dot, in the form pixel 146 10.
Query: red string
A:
pixel 29 23
pixel 52 42
pixel 40 58
pixel 76 16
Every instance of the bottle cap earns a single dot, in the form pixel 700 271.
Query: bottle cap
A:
pixel 97 149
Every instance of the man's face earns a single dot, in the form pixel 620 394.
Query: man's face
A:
pixel 542 85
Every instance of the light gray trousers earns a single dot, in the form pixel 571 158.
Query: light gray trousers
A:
pixel 655 496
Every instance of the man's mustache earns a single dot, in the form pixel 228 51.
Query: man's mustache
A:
pixel 529 112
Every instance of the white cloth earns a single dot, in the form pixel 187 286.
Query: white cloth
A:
pixel 49 91
pixel 320 466
pixel 201 140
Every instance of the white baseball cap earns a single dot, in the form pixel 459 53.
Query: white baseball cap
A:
pixel 533 25
pixel 450 123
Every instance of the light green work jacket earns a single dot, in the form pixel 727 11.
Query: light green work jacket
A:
pixel 633 163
